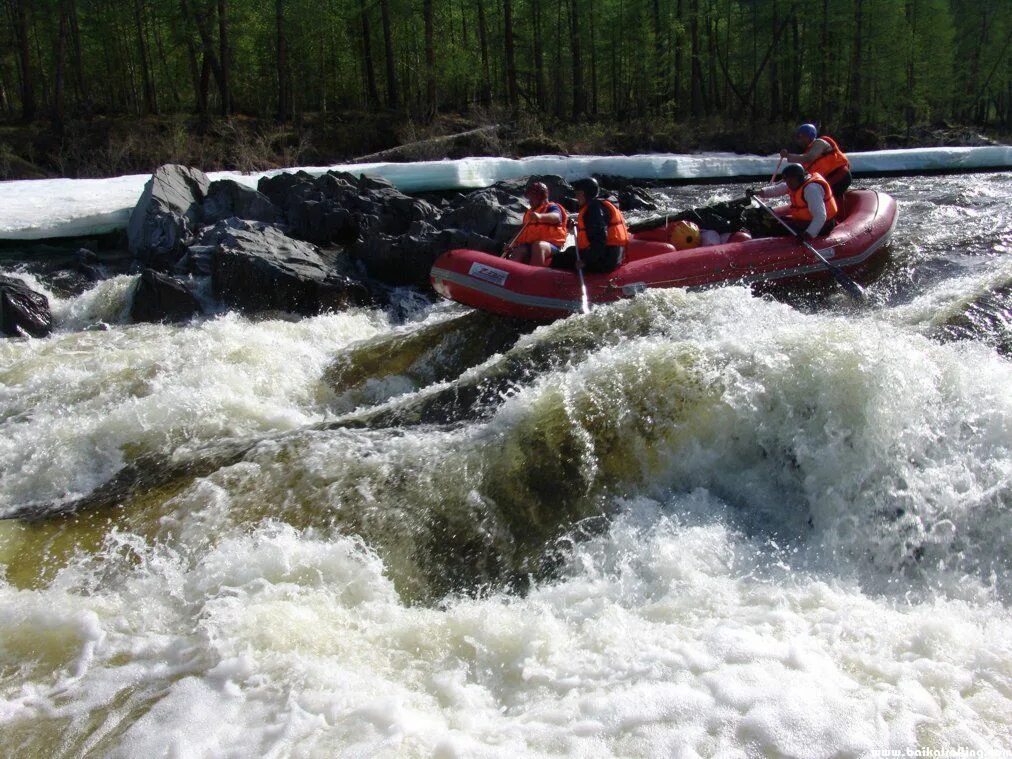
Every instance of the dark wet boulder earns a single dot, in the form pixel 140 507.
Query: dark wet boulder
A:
pixel 628 194
pixel 167 215
pixel 635 199
pixel 322 222
pixel 159 297
pixel 407 259
pixel 226 198
pixel 493 212
pixel 63 270
pixel 255 267
pixel 282 188
pixel 22 310
pixel 338 207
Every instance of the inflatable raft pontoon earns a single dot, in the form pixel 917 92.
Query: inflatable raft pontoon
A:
pixel 510 288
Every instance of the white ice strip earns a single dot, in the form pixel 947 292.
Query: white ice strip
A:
pixel 43 208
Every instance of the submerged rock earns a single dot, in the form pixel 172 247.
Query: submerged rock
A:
pixel 167 216
pixel 22 310
pixel 162 298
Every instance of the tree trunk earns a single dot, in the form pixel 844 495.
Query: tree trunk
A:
pixel 166 72
pixel 393 96
pixel 593 60
pixel 195 68
pixel 511 60
pixel 696 82
pixel 579 106
pixel 207 44
pixel 660 71
pixel 224 56
pixel 485 90
pixel 371 93
pixel 677 92
pixel 539 56
pixel 776 103
pixel 20 10
pixel 205 86
pixel 284 111
pixel 147 86
pixel 60 70
pixel 855 66
pixel 557 86
pixel 798 60
pixel 75 46
pixel 824 58
pixel 430 60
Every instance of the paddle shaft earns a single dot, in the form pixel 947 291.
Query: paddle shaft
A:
pixel 512 242
pixel 773 178
pixel 584 300
pixel 852 287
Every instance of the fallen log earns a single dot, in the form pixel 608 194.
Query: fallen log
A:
pixel 430 142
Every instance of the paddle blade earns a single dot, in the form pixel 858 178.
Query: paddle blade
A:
pixel 853 288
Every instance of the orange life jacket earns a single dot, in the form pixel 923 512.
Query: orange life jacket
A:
pixel 828 162
pixel 538 231
pixel 799 208
pixel 617 233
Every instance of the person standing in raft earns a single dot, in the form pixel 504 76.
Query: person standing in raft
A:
pixel 821 156
pixel 601 233
pixel 812 212
pixel 544 230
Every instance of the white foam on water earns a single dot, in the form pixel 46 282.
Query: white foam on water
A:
pixel 875 443
pixel 76 406
pixel 671 634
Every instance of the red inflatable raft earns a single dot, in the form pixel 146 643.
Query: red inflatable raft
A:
pixel 506 287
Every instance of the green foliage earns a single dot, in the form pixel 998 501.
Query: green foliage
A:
pixel 853 63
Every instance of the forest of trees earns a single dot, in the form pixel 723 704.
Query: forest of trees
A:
pixel 861 62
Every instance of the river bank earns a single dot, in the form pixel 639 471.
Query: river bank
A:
pixel 106 147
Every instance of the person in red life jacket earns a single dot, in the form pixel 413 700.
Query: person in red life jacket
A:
pixel 544 231
pixel 821 155
pixel 813 208
pixel 601 233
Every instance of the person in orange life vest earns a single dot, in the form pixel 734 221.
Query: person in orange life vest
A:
pixel 544 230
pixel 821 155
pixel 812 209
pixel 601 233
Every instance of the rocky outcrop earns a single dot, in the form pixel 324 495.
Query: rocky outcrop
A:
pixel 255 267
pixel 226 198
pixel 493 212
pixel 160 297
pixel 22 310
pixel 341 208
pixel 167 215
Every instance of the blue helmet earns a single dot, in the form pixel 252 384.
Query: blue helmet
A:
pixel 807 130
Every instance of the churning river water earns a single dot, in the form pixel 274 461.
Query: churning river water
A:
pixel 687 524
